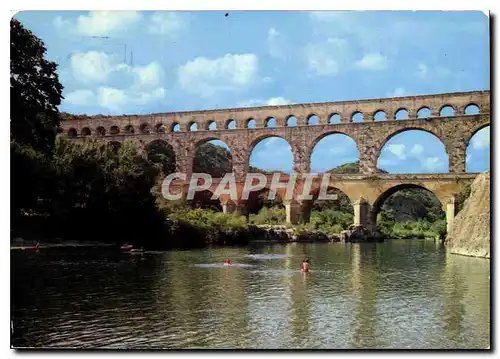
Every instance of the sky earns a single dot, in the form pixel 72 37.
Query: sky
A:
pixel 124 62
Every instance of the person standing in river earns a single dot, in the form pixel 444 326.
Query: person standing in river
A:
pixel 305 265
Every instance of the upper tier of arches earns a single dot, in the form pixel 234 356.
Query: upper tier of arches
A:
pixel 411 108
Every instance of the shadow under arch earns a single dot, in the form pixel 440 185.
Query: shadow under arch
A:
pixel 162 154
pixel 379 202
pixel 212 156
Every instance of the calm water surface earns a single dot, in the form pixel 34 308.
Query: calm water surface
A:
pixel 397 294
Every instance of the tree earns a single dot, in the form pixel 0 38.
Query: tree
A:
pixel 35 91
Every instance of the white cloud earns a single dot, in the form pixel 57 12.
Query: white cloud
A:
pixel 80 98
pixel 230 72
pixel 273 101
pixel 91 66
pixel 481 139
pixel 167 23
pixel 277 44
pixel 398 150
pixel 135 85
pixel 122 100
pixel 327 59
pixel 417 149
pixel 102 23
pixel 96 67
pixel 149 75
pixel 276 101
pixel 59 22
pixel 432 163
pixel 400 91
pixel 373 61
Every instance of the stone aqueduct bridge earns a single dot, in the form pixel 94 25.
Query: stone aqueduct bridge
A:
pixel 367 190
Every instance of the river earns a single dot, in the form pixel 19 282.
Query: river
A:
pixel 396 294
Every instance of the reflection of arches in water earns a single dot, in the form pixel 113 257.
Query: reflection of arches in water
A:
pixel 364 264
pixel 454 308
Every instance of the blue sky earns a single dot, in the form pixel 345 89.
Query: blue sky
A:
pixel 172 61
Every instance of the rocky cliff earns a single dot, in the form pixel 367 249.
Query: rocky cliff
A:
pixel 470 231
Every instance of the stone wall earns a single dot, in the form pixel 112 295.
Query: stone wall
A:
pixel 470 230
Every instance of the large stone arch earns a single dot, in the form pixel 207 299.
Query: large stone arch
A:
pixel 310 147
pixel 206 139
pixel 160 144
pixel 386 137
pixel 475 130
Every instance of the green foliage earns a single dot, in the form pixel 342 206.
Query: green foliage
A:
pixel 269 215
pixel 330 221
pixel 162 155
pixel 206 226
pixel 35 91
pixel 212 159
pixel 351 167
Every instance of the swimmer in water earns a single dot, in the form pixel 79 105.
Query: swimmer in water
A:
pixel 227 262
pixel 305 265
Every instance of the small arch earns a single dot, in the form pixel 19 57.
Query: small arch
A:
pixel 160 128
pixel 313 120
pixel 86 131
pixel 251 123
pixel 212 126
pixel 270 122
pixel 176 127
pixel 101 131
pixel 129 129
pixel 334 118
pixel 72 132
pixel 357 116
pixel 291 121
pixel 424 112
pixel 471 109
pixel 447 111
pixel 231 124
pixel 144 128
pixel 402 114
pixel 193 127
pixel 114 130
pixel 380 116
